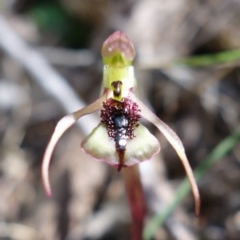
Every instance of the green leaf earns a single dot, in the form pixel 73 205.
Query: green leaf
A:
pixel 211 59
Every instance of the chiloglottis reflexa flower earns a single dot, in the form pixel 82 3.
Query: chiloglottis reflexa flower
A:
pixel 119 139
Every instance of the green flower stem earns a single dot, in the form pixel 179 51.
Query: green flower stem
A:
pixel 135 196
pixel 217 153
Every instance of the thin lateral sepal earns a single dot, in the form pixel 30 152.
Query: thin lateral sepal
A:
pixel 176 143
pixel 62 126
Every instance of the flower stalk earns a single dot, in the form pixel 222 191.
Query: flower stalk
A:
pixel 135 195
pixel 120 139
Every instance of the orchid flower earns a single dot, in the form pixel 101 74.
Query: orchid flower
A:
pixel 119 139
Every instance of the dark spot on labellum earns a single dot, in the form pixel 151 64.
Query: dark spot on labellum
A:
pixel 120 119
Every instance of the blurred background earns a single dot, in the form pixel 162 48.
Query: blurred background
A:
pixel 187 66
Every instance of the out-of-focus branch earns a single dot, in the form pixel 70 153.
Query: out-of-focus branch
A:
pixel 17 231
pixel 67 57
pixel 41 71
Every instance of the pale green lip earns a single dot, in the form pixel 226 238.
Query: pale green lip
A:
pixel 101 147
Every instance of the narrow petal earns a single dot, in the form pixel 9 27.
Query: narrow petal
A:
pixel 103 148
pixel 65 123
pixel 177 145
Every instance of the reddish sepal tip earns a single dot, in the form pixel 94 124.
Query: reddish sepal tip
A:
pixel 117 43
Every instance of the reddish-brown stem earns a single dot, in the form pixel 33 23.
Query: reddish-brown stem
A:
pixel 135 196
